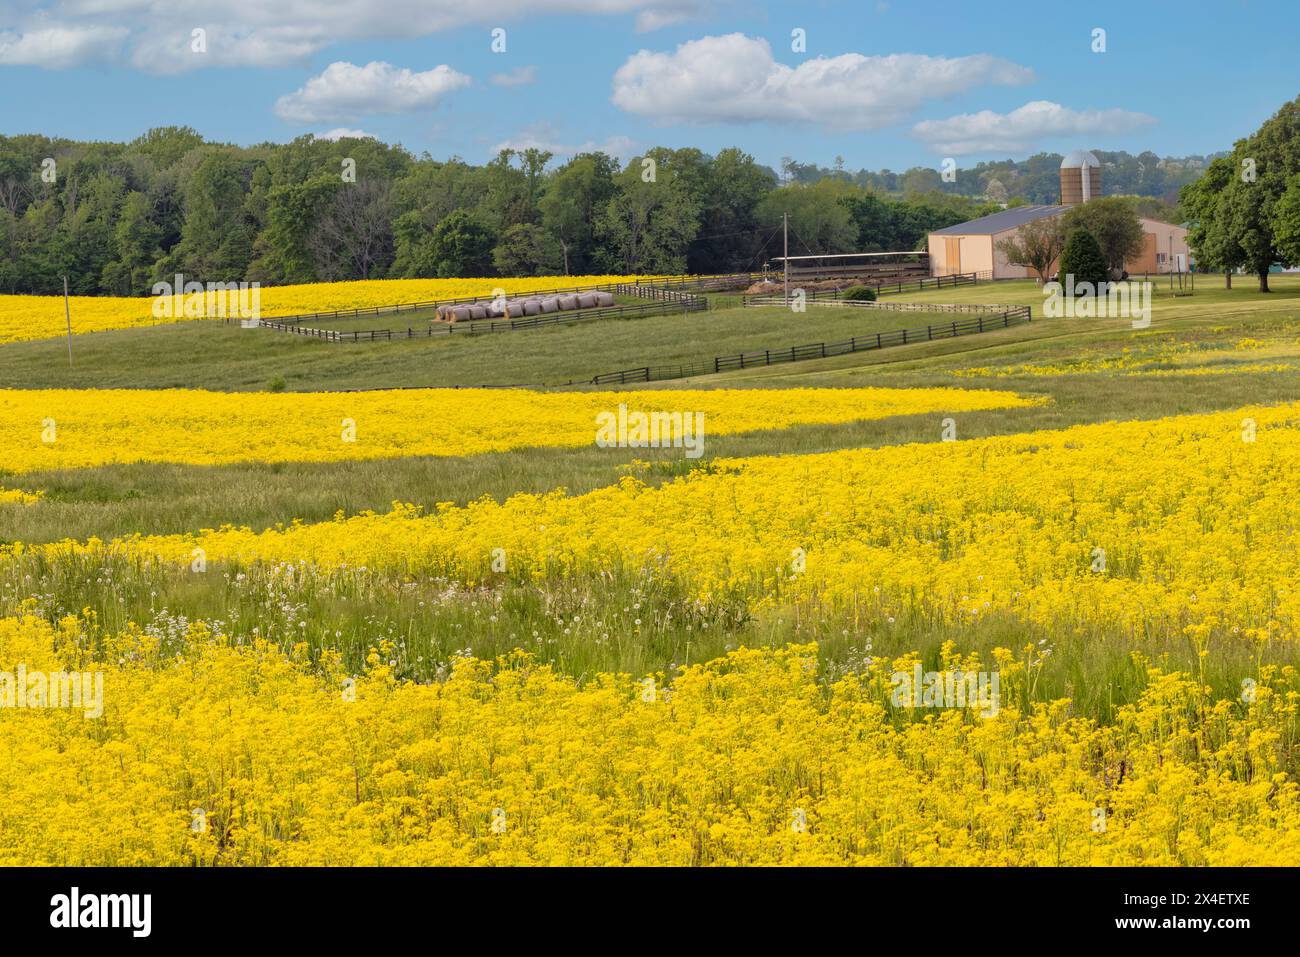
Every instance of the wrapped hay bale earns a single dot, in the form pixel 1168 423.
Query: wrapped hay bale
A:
pixel 478 311
pixel 550 304
pixel 568 301
pixel 604 299
pixel 462 313
pixel 586 300
pixel 532 307
pixel 514 309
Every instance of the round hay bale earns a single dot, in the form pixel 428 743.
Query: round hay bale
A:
pixel 462 313
pixel 604 298
pixel 478 311
pixel 514 309
pixel 568 301
pixel 550 304
pixel 532 307
pixel 586 300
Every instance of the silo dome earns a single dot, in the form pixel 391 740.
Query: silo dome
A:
pixel 1079 159
pixel 1080 178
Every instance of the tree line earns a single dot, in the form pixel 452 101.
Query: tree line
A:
pixel 117 217
pixel 1246 208
pixel 1033 180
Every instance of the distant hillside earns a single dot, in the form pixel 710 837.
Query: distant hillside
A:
pixel 1034 180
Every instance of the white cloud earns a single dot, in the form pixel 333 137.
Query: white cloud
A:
pixel 519 76
pixel 1019 130
pixel 58 47
pixel 735 79
pixel 657 18
pixel 345 91
pixel 544 136
pixel 343 133
pixel 155 35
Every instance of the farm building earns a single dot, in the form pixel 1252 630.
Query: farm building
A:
pixel 972 247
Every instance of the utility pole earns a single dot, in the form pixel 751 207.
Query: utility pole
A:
pixel 67 314
pixel 785 255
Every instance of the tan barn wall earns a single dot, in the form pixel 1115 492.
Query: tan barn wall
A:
pixel 1005 270
pixel 979 253
pixel 936 247
pixel 1163 242
pixel 976 254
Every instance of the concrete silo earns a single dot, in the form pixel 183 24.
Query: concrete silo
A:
pixel 1080 178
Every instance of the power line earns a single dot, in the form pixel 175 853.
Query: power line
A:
pixel 739 232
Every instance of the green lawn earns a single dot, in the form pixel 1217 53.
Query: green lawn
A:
pixel 212 355
pixel 416 320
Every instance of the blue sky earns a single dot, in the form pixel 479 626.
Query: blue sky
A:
pixel 882 84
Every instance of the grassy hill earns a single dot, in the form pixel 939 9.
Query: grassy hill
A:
pixel 1218 350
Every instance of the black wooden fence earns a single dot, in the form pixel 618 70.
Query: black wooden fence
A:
pixel 881 287
pixel 987 321
pixel 679 284
pixel 669 301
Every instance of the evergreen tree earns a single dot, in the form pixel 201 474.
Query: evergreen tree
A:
pixel 1083 260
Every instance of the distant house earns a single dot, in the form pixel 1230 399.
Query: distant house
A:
pixel 972 247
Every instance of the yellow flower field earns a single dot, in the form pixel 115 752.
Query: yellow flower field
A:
pixel 1184 526
pixel 42 317
pixel 59 429
pixel 243 755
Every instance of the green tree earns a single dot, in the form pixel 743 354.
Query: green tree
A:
pixel 1083 260
pixel 1112 222
pixel 216 239
pixel 283 249
pixel 575 199
pixel 526 250
pixel 731 231
pixel 820 218
pixel 1036 245
pixel 1206 202
pixel 1241 210
pixel 648 224
pixel 461 245
pixel 138 239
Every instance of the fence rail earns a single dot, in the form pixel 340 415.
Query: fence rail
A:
pixel 668 301
pixel 866 273
pixel 881 287
pixel 986 322
pixel 683 283
pixel 971 308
